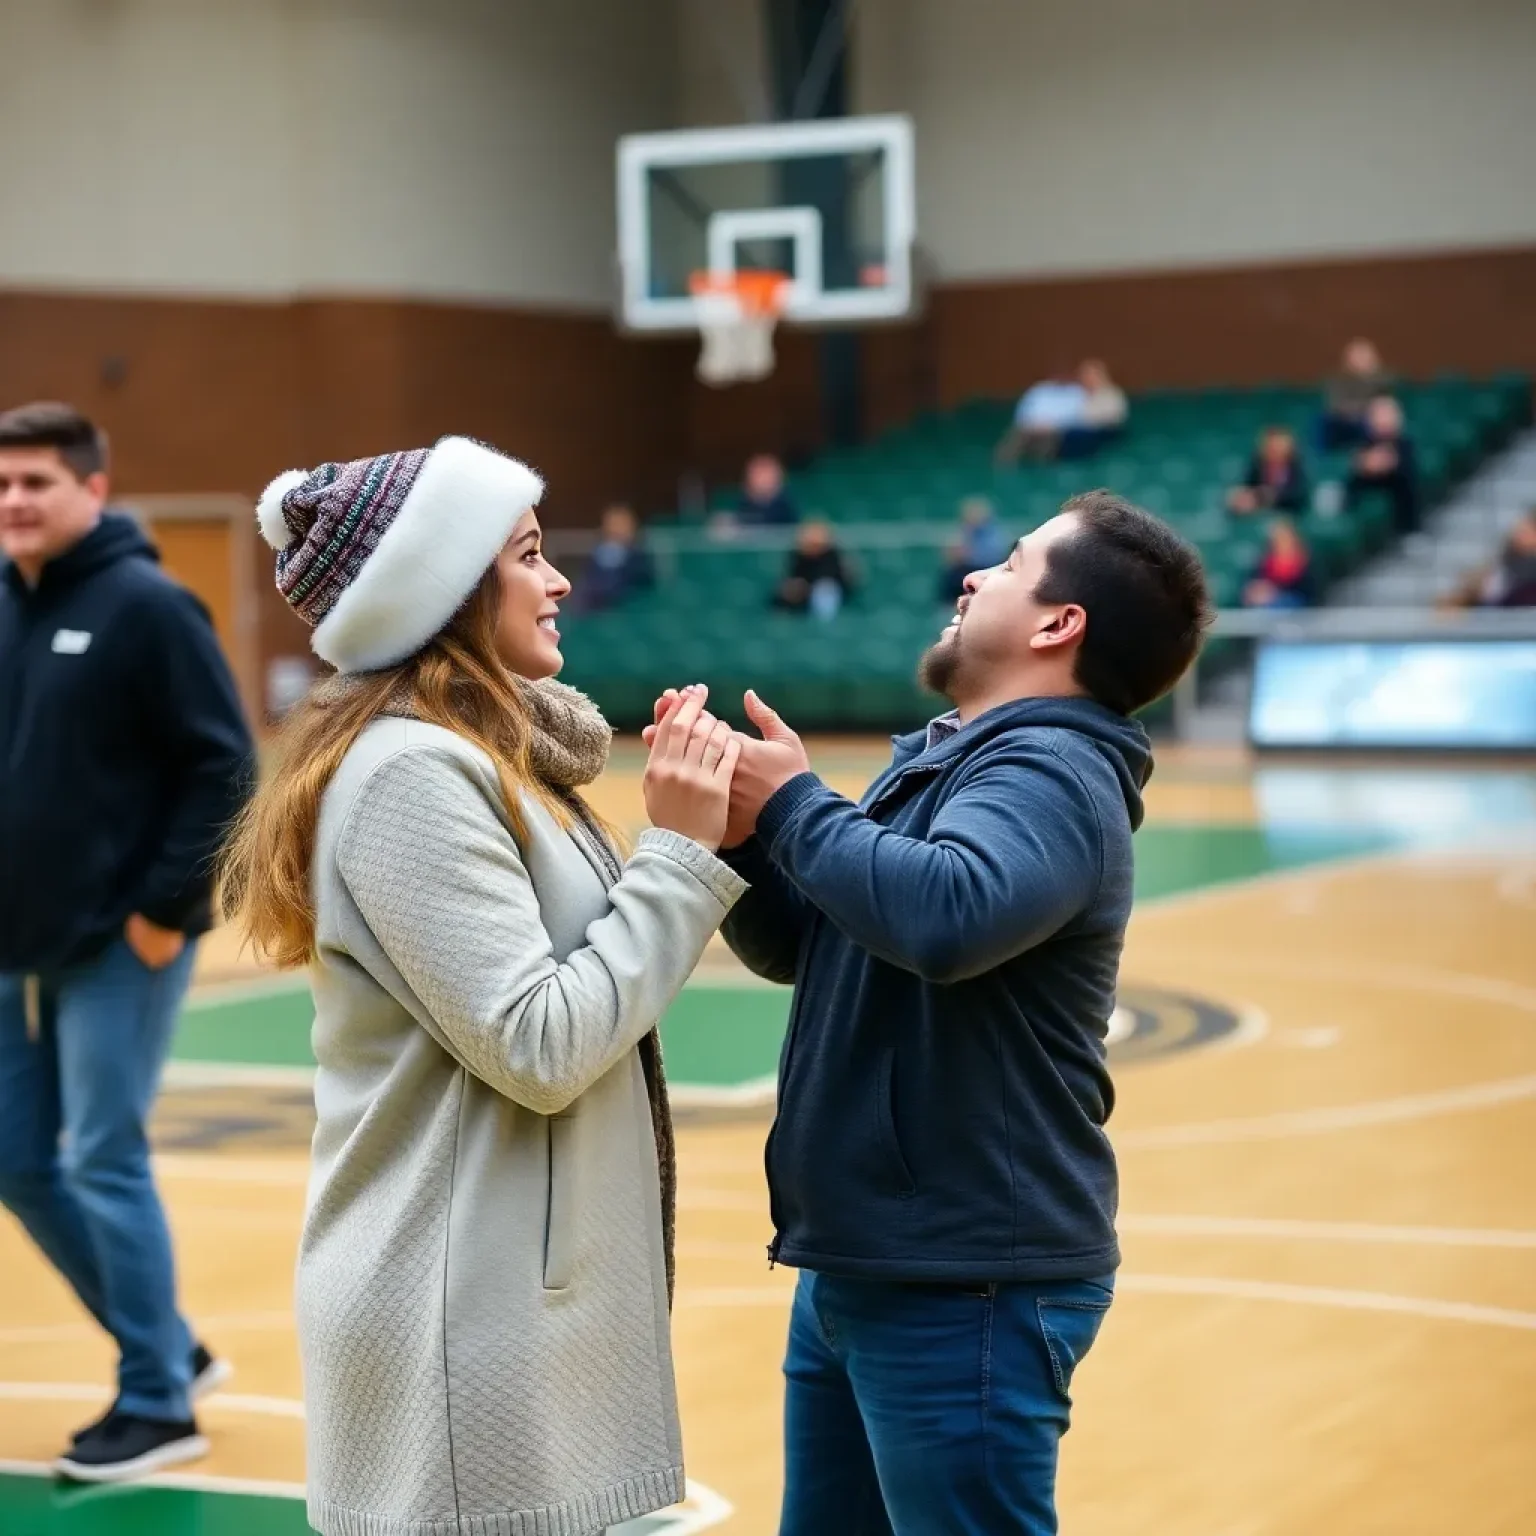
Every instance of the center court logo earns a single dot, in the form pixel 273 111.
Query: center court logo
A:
pixel 250 1116
pixel 1149 1022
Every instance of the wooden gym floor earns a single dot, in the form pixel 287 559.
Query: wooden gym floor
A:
pixel 1326 1056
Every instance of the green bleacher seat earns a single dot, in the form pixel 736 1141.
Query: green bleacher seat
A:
pixel 708 617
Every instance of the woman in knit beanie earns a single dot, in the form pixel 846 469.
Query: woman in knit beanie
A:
pixel 485 1271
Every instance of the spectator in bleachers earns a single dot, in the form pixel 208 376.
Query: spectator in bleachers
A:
pixel 1103 416
pixel 981 545
pixel 986 541
pixel 1276 480
pixel 1067 416
pixel 1283 576
pixel 1510 582
pixel 1386 462
pixel 1045 410
pixel 1360 380
pixel 764 500
pixel 617 566
pixel 817 579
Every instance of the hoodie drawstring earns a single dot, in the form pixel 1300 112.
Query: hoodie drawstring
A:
pixel 32 1006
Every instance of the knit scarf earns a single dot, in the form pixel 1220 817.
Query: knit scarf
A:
pixel 569 739
pixel 568 748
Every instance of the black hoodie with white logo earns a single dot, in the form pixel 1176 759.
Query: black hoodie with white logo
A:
pixel 124 754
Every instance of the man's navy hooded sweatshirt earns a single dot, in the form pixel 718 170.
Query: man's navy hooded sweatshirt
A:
pixel 953 941
pixel 123 751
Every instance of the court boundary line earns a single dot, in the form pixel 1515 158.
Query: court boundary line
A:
pixel 211 1169
pixel 1429 1308
pixel 187 1482
pixel 260 1405
pixel 1303 1229
pixel 1177 1225
pixel 750 1093
pixel 234 1074
pixel 1518 887
pixel 1465 984
pixel 207 996
pixel 1284 1124
pixel 1328 866
pixel 65 1333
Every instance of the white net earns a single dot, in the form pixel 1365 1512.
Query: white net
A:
pixel 737 327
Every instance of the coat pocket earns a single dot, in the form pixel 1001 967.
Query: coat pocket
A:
pixel 885 1115
pixel 560 1210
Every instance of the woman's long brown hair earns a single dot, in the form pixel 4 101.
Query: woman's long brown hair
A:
pixel 457 681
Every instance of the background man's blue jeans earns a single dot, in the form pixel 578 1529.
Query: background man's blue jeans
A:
pixel 90 1068
pixel 928 1410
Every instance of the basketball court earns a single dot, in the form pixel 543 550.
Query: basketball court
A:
pixel 1326 1059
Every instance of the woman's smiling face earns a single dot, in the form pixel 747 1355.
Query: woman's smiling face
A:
pixel 531 590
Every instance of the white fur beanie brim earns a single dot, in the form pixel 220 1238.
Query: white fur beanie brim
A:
pixel 457 513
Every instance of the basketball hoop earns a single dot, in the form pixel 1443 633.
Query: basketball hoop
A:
pixel 737 312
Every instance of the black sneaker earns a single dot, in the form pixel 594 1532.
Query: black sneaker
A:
pixel 208 1375
pixel 123 1446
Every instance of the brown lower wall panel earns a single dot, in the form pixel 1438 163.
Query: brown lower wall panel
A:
pixel 197 395
pixel 1472 312
pixel 218 396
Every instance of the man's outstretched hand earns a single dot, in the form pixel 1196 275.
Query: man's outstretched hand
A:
pixel 763 768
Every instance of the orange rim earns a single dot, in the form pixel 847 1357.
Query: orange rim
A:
pixel 758 293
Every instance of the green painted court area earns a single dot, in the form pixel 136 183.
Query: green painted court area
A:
pixel 37 1506
pixel 720 1036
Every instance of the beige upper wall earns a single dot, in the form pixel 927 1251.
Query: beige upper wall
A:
pixel 441 148
pixel 1054 136
pixel 722 68
pixel 464 148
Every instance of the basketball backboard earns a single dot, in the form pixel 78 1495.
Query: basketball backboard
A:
pixel 828 203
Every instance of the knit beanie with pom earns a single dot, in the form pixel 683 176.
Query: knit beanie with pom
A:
pixel 376 555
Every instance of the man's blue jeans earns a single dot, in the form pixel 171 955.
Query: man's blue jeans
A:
pixel 81 1055
pixel 925 1410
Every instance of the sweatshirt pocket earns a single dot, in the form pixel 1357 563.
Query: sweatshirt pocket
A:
pixel 560 1210
pixel 885 1115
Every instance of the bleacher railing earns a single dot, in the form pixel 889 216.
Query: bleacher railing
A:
pixel 666 544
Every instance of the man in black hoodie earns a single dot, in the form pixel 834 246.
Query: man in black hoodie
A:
pixel 938 1169
pixel 123 757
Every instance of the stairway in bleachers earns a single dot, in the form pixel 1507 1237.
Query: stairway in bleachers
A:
pixel 1464 534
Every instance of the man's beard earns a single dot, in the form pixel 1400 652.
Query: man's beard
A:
pixel 942 664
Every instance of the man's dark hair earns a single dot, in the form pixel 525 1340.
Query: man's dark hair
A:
pixel 47 424
pixel 1143 589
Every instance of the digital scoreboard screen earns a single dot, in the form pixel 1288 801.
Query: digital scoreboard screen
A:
pixel 1422 694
